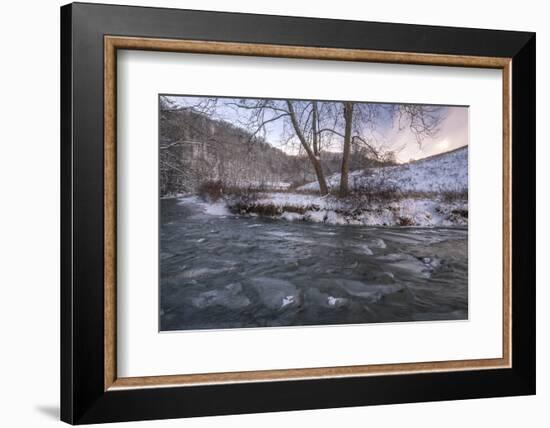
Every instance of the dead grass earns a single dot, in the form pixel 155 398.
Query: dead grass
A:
pixel 215 189
pixel 460 213
pixel 241 206
pixel 211 190
pixel 454 196
pixel 405 221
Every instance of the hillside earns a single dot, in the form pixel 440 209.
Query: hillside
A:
pixel 440 173
pixel 195 149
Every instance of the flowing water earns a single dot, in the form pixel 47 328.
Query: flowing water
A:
pixel 225 271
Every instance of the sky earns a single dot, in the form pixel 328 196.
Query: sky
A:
pixel 452 132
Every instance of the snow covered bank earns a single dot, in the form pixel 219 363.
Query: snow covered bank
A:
pixel 420 211
pixel 331 210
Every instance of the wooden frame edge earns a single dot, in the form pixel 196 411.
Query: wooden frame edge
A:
pixel 109 198
pixel 301 52
pixel 309 373
pixel 507 213
pixel 112 43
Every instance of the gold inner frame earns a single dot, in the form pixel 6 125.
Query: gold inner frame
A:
pixel 113 43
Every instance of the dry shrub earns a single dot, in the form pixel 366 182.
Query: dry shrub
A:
pixel 454 196
pixel 214 189
pixel 243 206
pixel 296 209
pixel 460 213
pixel 211 190
pixel 405 221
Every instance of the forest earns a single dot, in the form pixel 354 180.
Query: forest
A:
pixel 196 148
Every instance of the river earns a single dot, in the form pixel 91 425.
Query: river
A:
pixel 226 271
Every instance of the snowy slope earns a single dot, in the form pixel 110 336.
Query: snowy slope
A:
pixel 444 172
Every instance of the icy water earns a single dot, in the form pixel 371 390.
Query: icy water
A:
pixel 238 272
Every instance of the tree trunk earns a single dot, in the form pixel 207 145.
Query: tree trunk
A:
pixel 315 160
pixel 315 135
pixel 323 189
pixel 348 118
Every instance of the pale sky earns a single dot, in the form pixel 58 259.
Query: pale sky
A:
pixel 453 131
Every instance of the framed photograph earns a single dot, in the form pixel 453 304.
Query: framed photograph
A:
pixel 266 213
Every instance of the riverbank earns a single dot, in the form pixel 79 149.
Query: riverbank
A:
pixel 354 210
pixel 433 211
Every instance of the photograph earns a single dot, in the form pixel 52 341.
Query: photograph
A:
pixel 284 212
pixel 261 210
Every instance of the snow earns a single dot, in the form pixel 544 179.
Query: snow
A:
pixel 332 217
pixel 296 199
pixel 268 185
pixel 318 298
pixel 287 300
pixel 291 216
pixel 315 216
pixel 445 172
pixel 218 208
pixel 336 301
pixel 173 196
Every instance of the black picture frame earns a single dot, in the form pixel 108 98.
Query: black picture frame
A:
pixel 83 397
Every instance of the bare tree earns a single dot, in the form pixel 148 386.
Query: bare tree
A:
pixel 344 175
pixel 423 121
pixel 303 117
pixel 351 122
pixel 312 151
